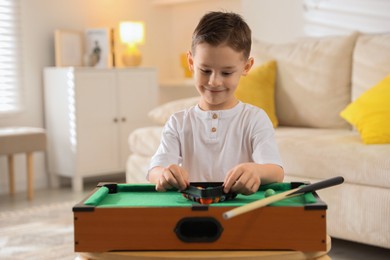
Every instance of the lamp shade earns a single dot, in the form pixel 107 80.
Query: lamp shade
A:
pixel 132 32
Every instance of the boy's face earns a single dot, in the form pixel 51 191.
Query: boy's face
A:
pixel 217 71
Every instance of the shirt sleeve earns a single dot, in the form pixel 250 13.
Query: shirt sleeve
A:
pixel 265 149
pixel 168 151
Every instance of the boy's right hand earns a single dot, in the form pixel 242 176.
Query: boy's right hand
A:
pixel 173 176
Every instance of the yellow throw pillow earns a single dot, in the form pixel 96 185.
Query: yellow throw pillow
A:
pixel 370 113
pixel 258 89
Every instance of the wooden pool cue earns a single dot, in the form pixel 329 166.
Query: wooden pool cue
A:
pixel 281 196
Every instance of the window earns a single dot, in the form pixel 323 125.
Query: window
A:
pixel 10 75
pixel 328 17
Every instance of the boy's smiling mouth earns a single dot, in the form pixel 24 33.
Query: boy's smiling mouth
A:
pixel 215 90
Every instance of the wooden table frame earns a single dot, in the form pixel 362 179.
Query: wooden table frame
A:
pixel 210 255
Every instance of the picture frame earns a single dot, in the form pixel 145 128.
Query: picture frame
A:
pixel 98 48
pixel 69 48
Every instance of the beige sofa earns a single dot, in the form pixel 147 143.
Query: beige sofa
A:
pixel 316 79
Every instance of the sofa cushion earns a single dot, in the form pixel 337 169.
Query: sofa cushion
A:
pixel 371 62
pixel 325 153
pixel 161 114
pixel 313 81
pixel 258 88
pixel 370 113
pixel 355 212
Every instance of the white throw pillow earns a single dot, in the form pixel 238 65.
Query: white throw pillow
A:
pixel 161 114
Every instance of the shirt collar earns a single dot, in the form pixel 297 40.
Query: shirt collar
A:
pixel 220 113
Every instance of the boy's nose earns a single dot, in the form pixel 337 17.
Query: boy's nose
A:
pixel 215 81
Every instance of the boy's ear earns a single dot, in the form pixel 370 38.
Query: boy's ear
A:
pixel 190 61
pixel 248 66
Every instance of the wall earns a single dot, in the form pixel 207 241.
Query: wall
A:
pixel 274 21
pixel 168 33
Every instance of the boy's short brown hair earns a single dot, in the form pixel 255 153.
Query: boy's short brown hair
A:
pixel 217 28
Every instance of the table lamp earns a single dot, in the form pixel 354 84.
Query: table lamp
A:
pixel 131 34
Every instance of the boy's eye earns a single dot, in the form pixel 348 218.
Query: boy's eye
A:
pixel 227 73
pixel 205 71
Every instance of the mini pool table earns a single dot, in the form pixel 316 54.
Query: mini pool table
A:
pixel 134 217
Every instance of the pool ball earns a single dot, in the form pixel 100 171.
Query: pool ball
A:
pixel 269 193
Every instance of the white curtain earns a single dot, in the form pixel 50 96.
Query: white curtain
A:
pixel 10 65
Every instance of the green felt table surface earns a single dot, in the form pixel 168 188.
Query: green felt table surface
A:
pixel 144 195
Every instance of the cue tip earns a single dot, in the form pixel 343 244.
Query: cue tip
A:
pixel 227 215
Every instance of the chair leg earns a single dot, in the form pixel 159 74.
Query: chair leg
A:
pixel 11 174
pixel 30 175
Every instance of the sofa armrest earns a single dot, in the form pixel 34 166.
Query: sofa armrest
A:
pixel 161 114
pixel 145 141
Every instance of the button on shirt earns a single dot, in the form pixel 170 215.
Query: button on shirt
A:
pixel 210 143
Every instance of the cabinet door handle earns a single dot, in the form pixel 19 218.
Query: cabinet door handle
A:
pixel 123 119
pixel 115 120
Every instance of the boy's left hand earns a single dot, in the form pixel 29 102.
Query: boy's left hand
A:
pixel 244 179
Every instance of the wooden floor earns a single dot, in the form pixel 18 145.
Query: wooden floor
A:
pixel 341 249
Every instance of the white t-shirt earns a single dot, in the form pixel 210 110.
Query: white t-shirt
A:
pixel 210 143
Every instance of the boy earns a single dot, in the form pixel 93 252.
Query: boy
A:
pixel 220 139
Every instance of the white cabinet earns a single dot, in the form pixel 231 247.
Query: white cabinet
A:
pixel 89 114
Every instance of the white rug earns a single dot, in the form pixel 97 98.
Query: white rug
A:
pixel 44 232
